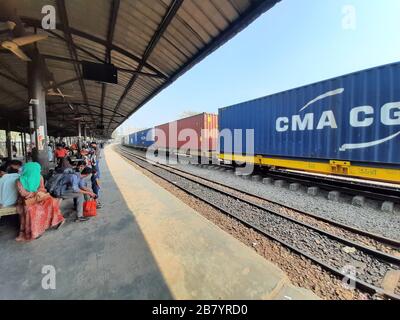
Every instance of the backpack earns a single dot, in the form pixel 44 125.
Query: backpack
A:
pixel 55 183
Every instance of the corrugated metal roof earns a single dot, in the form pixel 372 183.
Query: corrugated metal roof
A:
pixel 153 41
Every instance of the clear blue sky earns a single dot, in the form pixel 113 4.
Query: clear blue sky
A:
pixel 296 43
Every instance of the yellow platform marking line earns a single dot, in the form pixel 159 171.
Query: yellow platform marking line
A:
pixel 343 168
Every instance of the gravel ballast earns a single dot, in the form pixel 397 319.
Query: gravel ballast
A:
pixel 301 271
pixel 368 268
pixel 369 218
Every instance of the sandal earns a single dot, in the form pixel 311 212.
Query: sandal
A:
pixel 59 225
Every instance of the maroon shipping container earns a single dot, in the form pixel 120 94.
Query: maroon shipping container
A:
pixel 196 133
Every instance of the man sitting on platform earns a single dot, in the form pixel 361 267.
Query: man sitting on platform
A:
pixel 16 165
pixel 8 184
pixel 75 187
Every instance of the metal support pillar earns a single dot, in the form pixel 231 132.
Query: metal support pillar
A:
pixel 37 99
pixel 31 130
pixel 21 134
pixel 79 136
pixel 25 147
pixel 84 133
pixel 8 142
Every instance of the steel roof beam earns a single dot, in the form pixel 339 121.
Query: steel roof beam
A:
pixel 76 46
pixel 13 80
pixel 70 118
pixel 38 24
pixel 69 60
pixel 168 17
pixel 75 104
pixel 250 15
pixel 15 124
pixel 64 103
pixel 12 94
pixel 256 8
pixel 62 10
pixel 111 28
pixel 103 97
pixel 72 115
pixel 110 36
pixel 10 70
pixel 59 84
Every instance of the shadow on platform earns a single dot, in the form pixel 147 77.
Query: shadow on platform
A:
pixel 104 258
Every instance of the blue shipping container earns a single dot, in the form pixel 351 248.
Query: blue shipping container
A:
pixel 355 117
pixel 142 139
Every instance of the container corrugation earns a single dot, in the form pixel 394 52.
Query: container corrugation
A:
pixel 355 117
pixel 199 132
pixel 142 139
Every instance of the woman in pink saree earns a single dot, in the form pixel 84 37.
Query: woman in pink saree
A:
pixel 38 211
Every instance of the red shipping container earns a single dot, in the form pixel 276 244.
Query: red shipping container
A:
pixel 197 133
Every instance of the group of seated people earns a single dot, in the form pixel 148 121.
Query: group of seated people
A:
pixel 88 156
pixel 38 201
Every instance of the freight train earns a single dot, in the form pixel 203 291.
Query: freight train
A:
pixel 140 140
pixel 196 135
pixel 348 126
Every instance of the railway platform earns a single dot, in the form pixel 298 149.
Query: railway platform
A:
pixel 144 244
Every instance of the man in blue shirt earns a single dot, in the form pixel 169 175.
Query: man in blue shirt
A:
pixel 8 185
pixel 75 187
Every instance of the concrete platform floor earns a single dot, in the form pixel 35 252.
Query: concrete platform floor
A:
pixel 144 244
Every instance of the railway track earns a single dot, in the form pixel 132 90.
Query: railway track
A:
pixel 377 237
pixel 349 187
pixel 371 191
pixel 324 248
pixel 373 240
pixel 380 238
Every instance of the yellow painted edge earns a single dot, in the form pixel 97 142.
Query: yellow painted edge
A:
pixel 372 173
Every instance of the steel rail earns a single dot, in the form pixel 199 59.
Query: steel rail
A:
pixel 384 240
pixel 370 191
pixel 360 284
pixel 376 253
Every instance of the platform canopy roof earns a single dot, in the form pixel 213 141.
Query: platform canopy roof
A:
pixel 151 42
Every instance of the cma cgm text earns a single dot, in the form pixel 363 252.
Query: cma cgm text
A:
pixel 363 116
